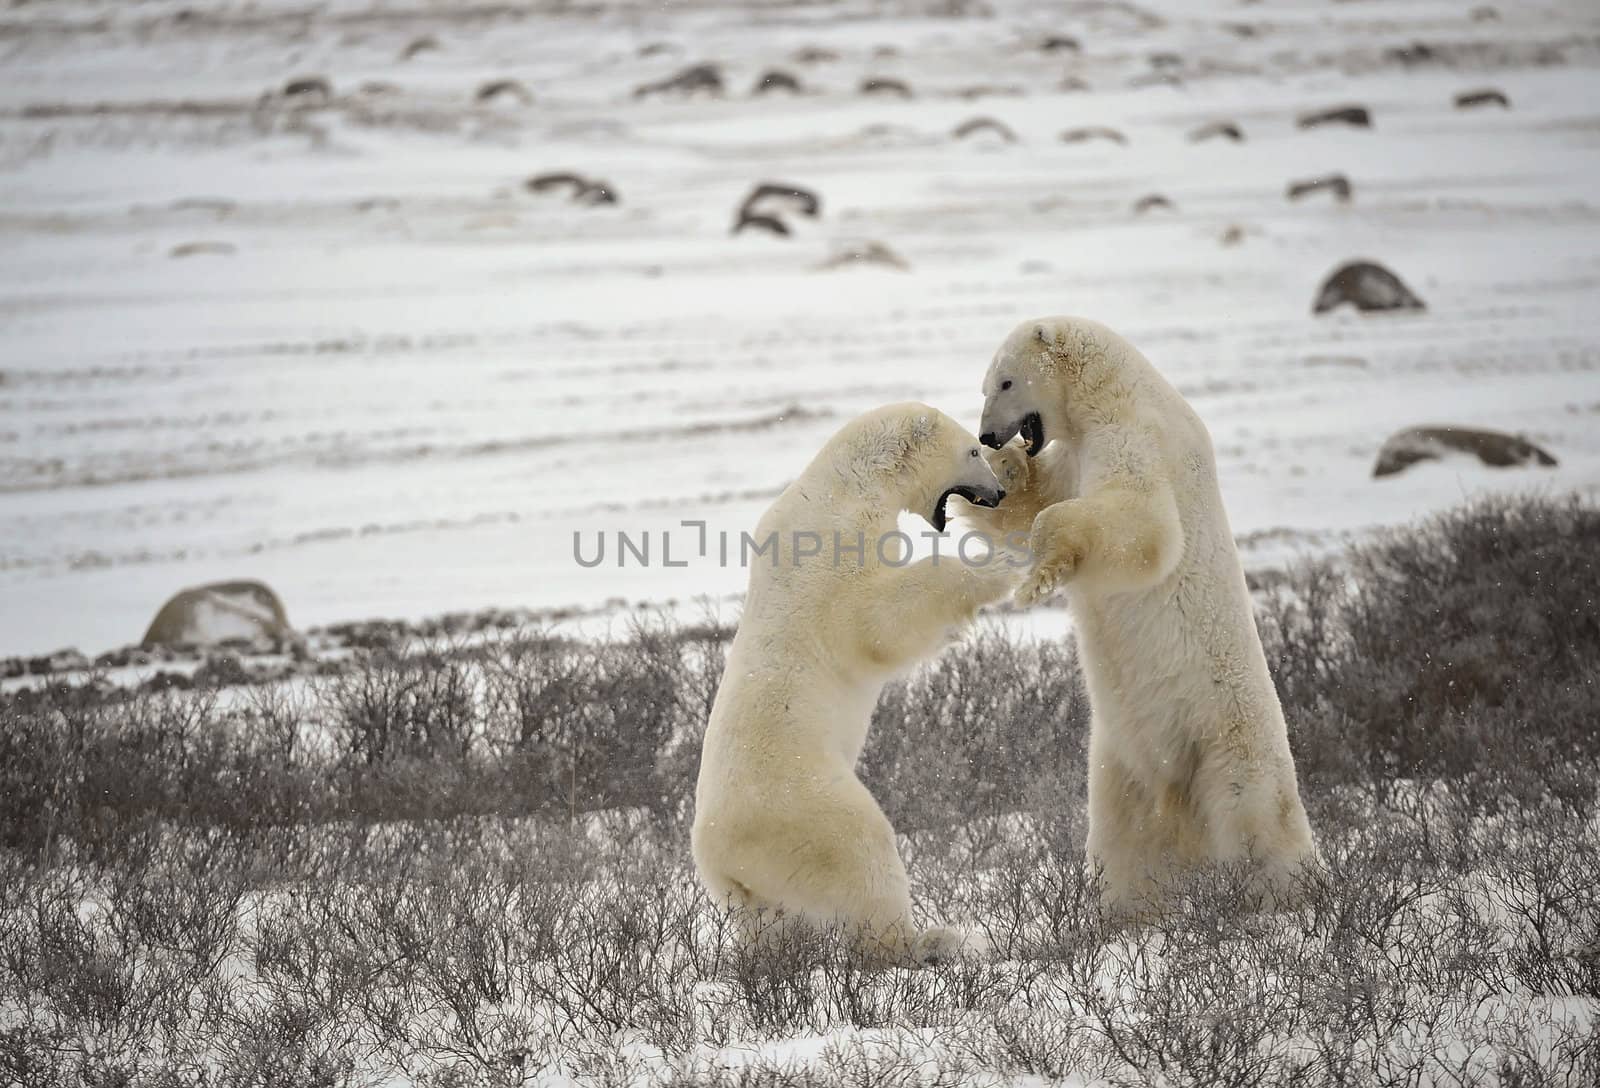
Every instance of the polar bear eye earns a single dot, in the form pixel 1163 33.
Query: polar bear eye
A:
pixel 974 453
pixel 1005 385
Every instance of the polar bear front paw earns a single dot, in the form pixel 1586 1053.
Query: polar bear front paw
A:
pixel 946 944
pixel 1060 541
pixel 1047 578
pixel 1011 467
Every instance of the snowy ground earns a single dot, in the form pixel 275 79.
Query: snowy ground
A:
pixel 403 382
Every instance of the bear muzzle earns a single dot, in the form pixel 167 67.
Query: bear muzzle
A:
pixel 1030 426
pixel 977 495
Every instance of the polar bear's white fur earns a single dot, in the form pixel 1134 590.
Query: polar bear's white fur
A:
pixel 1189 758
pixel 782 825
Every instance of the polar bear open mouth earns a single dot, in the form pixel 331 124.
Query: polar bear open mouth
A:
pixel 1033 433
pixel 970 494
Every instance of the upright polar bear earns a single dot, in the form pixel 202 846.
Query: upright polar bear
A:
pixel 1189 757
pixel 781 823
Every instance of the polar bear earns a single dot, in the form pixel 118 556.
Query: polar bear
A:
pixel 782 826
pixel 1189 758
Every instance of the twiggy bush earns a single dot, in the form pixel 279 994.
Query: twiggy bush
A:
pixel 1452 649
pixel 470 866
pixel 995 725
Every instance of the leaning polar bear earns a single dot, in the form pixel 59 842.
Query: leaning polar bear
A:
pixel 1189 757
pixel 782 825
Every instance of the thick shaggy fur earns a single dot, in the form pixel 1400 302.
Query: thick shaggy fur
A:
pixel 1189 758
pixel 782 826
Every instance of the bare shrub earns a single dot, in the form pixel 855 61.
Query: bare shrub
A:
pixel 394 706
pixel 1462 647
pixel 995 725
pixel 466 863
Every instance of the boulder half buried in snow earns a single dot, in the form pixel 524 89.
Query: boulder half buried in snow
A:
pixel 1494 448
pixel 210 615
pixel 1367 286
pixel 855 255
pixel 696 79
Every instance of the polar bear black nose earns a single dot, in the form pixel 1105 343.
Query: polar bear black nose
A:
pixel 1000 496
pixel 987 438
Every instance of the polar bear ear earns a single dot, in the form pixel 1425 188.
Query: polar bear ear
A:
pixel 1054 339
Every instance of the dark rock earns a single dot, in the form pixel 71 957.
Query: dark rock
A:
pixel 308 91
pixel 989 90
pixel 885 86
pixel 697 79
pixel 208 615
pixel 791 198
pixel 1548 54
pixel 1060 43
pixel 865 253
pixel 544 183
pixel 984 124
pixel 777 80
pixel 1368 287
pixel 418 46
pixel 1337 184
pixel 580 189
pixel 1073 83
pixel 1415 53
pixel 1227 130
pixel 509 89
pixel 1355 116
pixel 202 249
pixel 1092 132
pixel 1493 448
pixel 657 49
pixel 1166 60
pixel 1151 203
pixel 769 223
pixel 1487 97
pixel 13 667
pixel 815 54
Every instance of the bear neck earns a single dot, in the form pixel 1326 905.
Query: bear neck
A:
pixel 1098 393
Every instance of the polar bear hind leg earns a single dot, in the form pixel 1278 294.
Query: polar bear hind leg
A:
pixel 1256 820
pixel 1140 833
pixel 836 865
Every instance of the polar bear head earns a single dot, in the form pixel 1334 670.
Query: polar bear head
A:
pixel 1044 369
pixel 912 457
